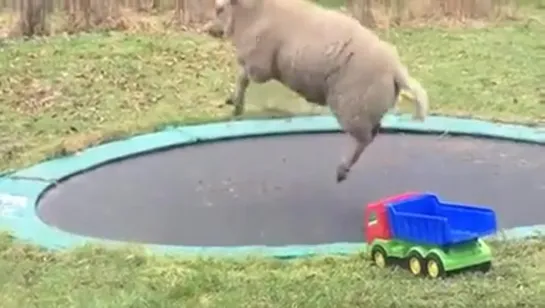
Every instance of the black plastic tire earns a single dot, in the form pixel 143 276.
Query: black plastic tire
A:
pixel 376 251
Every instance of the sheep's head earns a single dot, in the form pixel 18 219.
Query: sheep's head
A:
pixel 241 3
pixel 229 10
pixel 223 23
pixel 221 6
pixel 226 7
pixel 214 28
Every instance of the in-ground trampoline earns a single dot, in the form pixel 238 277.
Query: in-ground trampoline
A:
pixel 269 185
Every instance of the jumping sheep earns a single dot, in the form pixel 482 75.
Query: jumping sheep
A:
pixel 325 56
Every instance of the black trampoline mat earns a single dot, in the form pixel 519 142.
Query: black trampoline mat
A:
pixel 281 190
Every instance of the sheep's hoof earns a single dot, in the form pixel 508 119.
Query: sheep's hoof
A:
pixel 342 173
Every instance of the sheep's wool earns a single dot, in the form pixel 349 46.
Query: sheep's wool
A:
pixel 325 56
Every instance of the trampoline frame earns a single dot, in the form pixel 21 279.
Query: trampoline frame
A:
pixel 21 190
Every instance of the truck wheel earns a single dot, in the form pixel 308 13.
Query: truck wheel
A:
pixel 485 267
pixel 434 266
pixel 379 257
pixel 415 263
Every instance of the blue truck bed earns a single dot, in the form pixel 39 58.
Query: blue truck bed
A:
pixel 424 219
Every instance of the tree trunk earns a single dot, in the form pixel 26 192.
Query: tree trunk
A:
pixel 33 18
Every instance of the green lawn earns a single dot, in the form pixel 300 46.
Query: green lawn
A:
pixel 65 93
pixel 94 277
pixel 62 94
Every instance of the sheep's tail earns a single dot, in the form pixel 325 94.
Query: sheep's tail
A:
pixel 419 94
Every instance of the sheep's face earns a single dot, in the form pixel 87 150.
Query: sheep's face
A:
pixel 222 8
pixel 228 10
pixel 223 15
pixel 223 18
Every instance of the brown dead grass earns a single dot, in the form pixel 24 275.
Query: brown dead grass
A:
pixel 140 16
pixel 35 97
pixel 446 13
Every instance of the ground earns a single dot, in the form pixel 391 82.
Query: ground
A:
pixel 62 94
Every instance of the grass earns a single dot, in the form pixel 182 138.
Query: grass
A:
pixel 62 94
pixel 96 277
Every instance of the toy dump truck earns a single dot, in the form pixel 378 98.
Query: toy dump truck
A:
pixel 432 238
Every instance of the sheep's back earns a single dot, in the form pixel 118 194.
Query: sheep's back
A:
pixel 313 44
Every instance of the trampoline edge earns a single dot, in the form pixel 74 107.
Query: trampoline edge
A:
pixel 20 191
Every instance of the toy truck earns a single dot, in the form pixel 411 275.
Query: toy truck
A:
pixel 431 238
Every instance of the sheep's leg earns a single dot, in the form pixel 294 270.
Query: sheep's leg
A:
pixel 237 98
pixel 362 137
pixel 255 73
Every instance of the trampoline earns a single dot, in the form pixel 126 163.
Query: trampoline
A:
pixel 269 185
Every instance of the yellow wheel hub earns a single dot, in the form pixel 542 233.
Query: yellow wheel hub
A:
pixel 414 266
pixel 379 259
pixel 433 269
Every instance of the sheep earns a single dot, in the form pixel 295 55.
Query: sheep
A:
pixel 325 56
